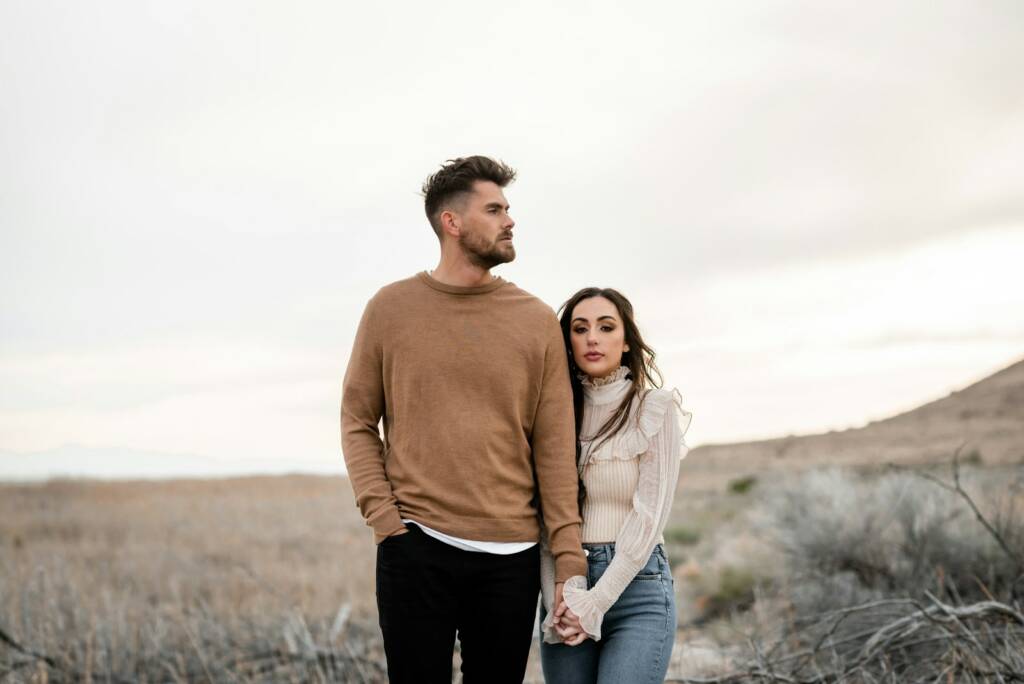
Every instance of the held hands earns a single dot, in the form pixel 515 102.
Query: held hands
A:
pixel 567 624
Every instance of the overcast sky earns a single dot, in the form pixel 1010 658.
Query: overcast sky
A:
pixel 817 208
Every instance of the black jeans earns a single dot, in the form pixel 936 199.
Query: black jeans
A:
pixel 429 591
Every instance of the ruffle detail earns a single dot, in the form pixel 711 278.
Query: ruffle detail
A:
pixel 684 423
pixel 635 438
pixel 576 583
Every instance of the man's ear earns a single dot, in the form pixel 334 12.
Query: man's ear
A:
pixel 450 223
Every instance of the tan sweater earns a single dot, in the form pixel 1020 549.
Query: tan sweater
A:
pixel 473 388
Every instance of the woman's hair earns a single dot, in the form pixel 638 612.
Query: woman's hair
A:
pixel 639 360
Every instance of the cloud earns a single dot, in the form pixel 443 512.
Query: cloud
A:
pixel 804 348
pixel 186 185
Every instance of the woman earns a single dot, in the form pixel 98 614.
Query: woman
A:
pixel 617 624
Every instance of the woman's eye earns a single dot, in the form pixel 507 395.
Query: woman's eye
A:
pixel 580 331
pixel 607 328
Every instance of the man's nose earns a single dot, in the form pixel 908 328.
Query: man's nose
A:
pixel 509 223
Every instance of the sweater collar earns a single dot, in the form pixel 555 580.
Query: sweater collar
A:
pixel 457 290
pixel 610 388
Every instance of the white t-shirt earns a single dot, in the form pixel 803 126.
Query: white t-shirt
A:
pixel 500 548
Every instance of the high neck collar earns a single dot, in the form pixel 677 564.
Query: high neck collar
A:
pixel 608 389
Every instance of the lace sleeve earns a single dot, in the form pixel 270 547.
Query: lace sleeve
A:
pixel 547 587
pixel 652 503
pixel 547 571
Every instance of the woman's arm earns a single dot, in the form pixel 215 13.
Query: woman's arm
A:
pixel 547 574
pixel 652 504
pixel 550 591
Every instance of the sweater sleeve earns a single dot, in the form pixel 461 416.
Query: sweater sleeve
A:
pixel 652 503
pixel 553 441
pixel 362 405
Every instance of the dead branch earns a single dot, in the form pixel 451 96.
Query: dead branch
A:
pixel 893 637
pixel 7 639
pixel 957 488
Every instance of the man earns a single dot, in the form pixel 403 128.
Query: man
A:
pixel 469 374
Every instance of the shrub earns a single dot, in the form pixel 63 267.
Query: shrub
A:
pixel 972 457
pixel 742 485
pixel 735 586
pixel 896 578
pixel 898 534
pixel 682 535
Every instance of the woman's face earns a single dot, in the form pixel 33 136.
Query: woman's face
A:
pixel 598 337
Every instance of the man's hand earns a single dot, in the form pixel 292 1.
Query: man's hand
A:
pixel 403 530
pixel 567 623
pixel 559 608
pixel 568 627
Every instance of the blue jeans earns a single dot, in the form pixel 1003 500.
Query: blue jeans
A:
pixel 637 633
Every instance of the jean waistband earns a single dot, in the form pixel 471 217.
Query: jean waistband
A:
pixel 609 549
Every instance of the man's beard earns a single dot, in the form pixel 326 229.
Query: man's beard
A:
pixel 484 254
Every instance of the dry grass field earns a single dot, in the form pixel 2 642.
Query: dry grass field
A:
pixel 244 580
pixel 179 580
pixel 186 580
pixel 786 568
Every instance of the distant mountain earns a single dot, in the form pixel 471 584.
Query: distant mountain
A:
pixel 75 460
pixel 986 419
pixel 123 463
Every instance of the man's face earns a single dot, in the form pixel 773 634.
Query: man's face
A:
pixel 485 226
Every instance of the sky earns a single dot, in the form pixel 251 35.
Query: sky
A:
pixel 816 208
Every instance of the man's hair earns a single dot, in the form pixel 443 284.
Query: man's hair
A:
pixel 456 178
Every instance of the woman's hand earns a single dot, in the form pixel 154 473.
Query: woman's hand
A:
pixel 567 625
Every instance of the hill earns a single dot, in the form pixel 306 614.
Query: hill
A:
pixel 986 419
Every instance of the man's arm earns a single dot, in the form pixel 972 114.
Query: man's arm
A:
pixel 554 456
pixel 362 405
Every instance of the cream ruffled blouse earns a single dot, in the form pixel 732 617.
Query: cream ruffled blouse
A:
pixel 630 480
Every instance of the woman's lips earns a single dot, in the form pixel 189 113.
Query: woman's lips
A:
pixel 593 356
